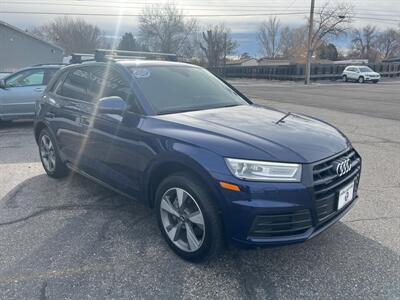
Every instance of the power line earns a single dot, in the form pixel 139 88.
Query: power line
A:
pixel 137 15
pixel 186 15
pixel 184 6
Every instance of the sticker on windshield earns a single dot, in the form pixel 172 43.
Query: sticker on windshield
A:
pixel 140 73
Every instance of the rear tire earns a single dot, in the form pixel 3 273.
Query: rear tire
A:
pixel 192 226
pixel 49 155
pixel 344 78
pixel 361 79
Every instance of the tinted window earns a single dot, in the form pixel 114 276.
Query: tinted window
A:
pixel 57 85
pixel 75 84
pixel 26 78
pixel 106 82
pixel 48 74
pixel 366 69
pixel 183 88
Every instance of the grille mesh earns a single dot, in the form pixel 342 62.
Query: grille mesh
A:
pixel 327 183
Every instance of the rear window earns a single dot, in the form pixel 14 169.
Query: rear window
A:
pixel 75 85
pixel 172 89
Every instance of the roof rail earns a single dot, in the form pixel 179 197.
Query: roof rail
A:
pixel 50 64
pixel 104 54
pixel 77 58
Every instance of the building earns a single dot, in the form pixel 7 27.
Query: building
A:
pixel 245 62
pixel 264 61
pixel 19 49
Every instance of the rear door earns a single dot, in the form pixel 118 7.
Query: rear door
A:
pixel 114 144
pixel 22 91
pixel 69 106
pixel 353 73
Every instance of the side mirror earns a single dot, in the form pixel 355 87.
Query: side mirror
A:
pixel 111 105
pixel 2 84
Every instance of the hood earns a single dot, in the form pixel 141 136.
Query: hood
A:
pixel 252 132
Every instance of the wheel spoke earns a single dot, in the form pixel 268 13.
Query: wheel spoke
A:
pixel 181 195
pixel 168 207
pixel 191 237
pixel 52 161
pixel 178 231
pixel 173 231
pixel 196 218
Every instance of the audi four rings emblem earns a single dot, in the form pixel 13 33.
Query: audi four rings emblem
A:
pixel 343 166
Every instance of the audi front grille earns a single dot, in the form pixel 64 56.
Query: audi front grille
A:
pixel 328 183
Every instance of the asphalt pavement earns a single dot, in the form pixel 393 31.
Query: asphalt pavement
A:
pixel 72 239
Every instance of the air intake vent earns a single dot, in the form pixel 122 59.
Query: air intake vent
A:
pixel 287 224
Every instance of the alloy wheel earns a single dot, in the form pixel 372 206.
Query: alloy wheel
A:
pixel 47 153
pixel 182 219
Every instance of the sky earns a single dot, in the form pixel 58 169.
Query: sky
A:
pixel 243 17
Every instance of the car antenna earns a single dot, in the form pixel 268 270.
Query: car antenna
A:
pixel 283 118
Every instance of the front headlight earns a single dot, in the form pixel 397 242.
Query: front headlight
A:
pixel 264 171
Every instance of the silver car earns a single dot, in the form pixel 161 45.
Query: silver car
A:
pixel 20 91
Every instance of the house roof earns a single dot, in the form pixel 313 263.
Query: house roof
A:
pixel 29 35
pixel 239 61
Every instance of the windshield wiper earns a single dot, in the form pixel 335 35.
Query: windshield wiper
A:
pixel 283 118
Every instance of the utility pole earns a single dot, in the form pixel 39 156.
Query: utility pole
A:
pixel 309 44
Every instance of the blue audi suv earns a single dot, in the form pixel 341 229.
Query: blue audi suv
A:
pixel 215 167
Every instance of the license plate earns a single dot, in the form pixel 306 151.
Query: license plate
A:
pixel 346 195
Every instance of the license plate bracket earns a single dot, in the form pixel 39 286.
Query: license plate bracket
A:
pixel 346 195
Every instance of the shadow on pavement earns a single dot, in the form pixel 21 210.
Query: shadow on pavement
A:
pixel 74 239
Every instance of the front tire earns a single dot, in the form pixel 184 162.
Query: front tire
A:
pixel 344 78
pixel 375 81
pixel 188 218
pixel 361 79
pixel 49 155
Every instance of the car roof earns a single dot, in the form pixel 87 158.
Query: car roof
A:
pixel 152 63
pixel 132 63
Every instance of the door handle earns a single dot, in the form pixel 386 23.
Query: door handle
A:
pixel 38 89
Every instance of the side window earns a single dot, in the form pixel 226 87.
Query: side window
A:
pixel 75 85
pixel 106 82
pixel 26 78
pixel 57 85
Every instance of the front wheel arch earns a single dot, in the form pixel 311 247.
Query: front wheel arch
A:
pixel 163 169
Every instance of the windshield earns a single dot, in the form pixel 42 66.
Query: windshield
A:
pixel 174 89
pixel 365 69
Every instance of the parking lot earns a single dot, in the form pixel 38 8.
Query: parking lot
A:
pixel 73 239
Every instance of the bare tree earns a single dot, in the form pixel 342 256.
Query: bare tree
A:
pixel 363 41
pixel 269 37
pixel 165 29
pixel 217 44
pixel 294 43
pixel 388 43
pixel 331 21
pixel 72 34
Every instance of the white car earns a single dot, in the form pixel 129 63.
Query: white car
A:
pixel 360 74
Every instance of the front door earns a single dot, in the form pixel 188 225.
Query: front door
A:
pixel 22 90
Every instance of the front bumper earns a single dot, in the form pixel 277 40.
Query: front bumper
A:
pixel 274 214
pixel 369 78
